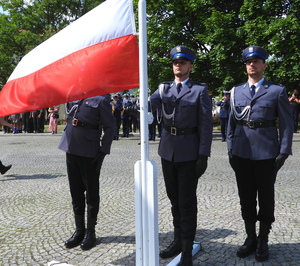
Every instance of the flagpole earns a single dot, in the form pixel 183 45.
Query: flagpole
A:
pixel 145 170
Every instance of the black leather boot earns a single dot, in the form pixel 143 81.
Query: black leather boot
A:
pixel 262 250
pixel 78 235
pixel 174 248
pixel 186 255
pixel 249 245
pixel 3 168
pixel 89 240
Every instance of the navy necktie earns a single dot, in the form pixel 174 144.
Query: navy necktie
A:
pixel 252 91
pixel 179 86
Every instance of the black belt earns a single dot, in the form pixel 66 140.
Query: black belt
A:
pixel 76 123
pixel 256 124
pixel 180 131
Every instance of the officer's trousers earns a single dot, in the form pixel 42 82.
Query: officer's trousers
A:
pixel 255 182
pixel 181 185
pixel 83 175
pixel 223 124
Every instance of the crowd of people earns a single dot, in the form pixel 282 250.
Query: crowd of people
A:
pixel 128 122
pixel 32 122
pixel 47 120
pixel 29 122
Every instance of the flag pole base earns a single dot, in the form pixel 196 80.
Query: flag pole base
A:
pixel 176 260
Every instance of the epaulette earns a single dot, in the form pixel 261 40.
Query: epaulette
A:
pixel 276 83
pixel 191 83
pixel 239 85
pixel 167 82
pixel 163 85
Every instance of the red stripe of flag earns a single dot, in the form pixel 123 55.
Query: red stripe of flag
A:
pixel 99 69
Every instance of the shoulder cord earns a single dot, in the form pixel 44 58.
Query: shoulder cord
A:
pixel 157 117
pixel 158 120
pixel 167 116
pixel 244 113
pixel 74 108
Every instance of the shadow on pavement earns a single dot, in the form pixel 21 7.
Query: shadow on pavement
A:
pixel 35 176
pixel 211 251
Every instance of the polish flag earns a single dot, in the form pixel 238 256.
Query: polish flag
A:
pixel 95 55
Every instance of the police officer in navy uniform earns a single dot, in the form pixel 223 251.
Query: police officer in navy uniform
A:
pixel 117 108
pixel 134 126
pixel 38 117
pixel 85 152
pixel 126 116
pixel 184 147
pixel 224 113
pixel 256 150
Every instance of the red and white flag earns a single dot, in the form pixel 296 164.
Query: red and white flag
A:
pixel 95 55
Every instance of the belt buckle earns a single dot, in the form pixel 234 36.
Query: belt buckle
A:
pixel 74 122
pixel 250 124
pixel 173 131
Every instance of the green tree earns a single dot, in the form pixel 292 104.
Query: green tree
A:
pixel 8 48
pixel 218 31
pixel 207 27
pixel 29 23
pixel 274 24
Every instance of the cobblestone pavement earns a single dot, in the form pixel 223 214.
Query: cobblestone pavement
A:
pixel 36 215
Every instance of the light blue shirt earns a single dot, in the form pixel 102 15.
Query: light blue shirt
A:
pixel 257 85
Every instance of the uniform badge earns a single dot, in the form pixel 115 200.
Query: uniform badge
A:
pixel 251 49
pixel 178 49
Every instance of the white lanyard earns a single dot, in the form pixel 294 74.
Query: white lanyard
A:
pixel 167 116
pixel 237 115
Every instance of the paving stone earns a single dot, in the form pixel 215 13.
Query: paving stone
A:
pixel 36 213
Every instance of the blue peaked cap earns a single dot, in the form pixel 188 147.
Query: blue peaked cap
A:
pixel 254 52
pixel 182 52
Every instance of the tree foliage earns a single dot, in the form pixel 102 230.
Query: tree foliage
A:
pixel 218 30
pixel 26 24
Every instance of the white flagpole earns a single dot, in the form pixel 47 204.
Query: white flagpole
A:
pixel 145 170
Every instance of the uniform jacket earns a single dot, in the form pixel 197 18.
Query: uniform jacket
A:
pixel 126 103
pixel 118 109
pixel 86 142
pixel 270 102
pixel 224 108
pixel 193 109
